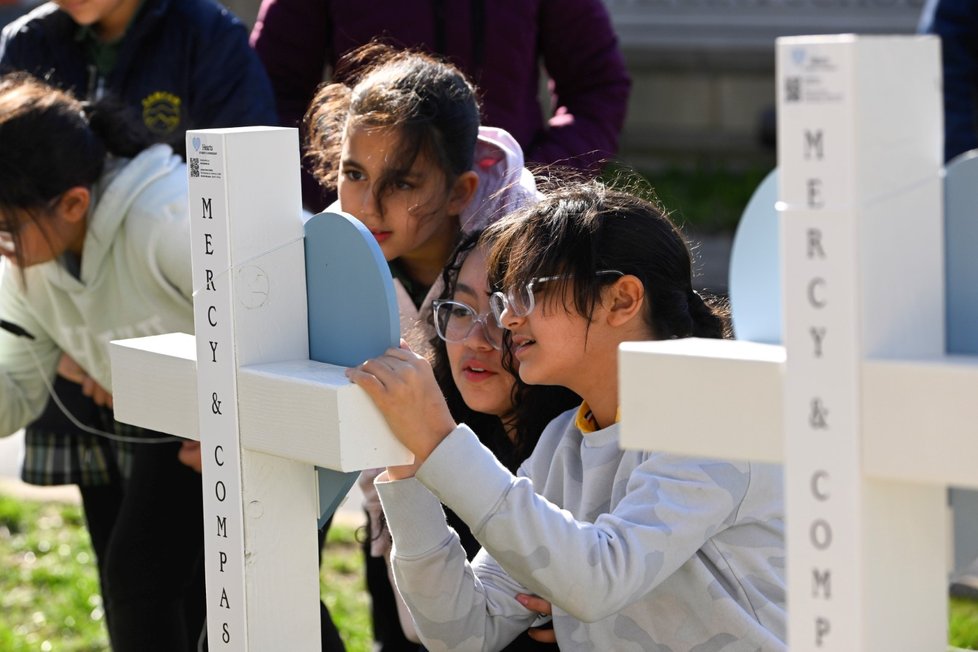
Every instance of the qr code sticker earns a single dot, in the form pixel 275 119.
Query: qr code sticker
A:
pixel 194 167
pixel 792 89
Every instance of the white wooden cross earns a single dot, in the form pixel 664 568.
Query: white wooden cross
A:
pixel 265 414
pixel 869 417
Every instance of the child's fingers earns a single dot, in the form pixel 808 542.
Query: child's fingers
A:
pixel 544 608
pixel 101 397
pixel 542 635
pixel 382 378
pixel 397 369
pixel 388 369
pixel 369 382
pixel 535 603
pixel 404 354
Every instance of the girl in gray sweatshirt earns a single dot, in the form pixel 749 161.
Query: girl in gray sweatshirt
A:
pixel 628 550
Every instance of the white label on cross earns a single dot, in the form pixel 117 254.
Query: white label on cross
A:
pixel 821 407
pixel 218 417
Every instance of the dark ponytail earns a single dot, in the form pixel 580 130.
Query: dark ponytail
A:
pixel 51 142
pixel 709 317
pixel 116 126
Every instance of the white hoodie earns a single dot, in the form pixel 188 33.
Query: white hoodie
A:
pixel 135 280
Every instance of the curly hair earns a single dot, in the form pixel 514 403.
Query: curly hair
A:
pixel 430 102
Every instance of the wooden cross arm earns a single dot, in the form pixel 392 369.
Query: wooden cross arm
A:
pixel 709 398
pixel 919 421
pixel 154 383
pixel 310 411
pixel 303 410
pixel 723 399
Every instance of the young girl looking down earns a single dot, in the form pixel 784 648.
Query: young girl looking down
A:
pixel 473 365
pixel 629 550
pixel 94 237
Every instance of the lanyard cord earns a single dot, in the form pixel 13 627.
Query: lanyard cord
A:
pixel 19 331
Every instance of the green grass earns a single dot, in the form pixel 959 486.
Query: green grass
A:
pixel 964 624
pixel 343 590
pixel 50 601
pixel 49 593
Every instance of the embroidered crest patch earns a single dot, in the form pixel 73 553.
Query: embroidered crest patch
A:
pixel 161 112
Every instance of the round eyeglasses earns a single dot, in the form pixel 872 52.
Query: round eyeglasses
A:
pixel 454 322
pixel 520 301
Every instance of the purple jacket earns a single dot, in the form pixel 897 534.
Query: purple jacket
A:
pixel 498 43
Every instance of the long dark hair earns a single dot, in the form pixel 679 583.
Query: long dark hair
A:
pixel 52 142
pixel 430 102
pixel 582 228
pixel 534 406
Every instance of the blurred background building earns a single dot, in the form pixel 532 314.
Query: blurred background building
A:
pixel 702 70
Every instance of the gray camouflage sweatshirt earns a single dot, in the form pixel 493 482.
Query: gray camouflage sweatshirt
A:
pixel 635 550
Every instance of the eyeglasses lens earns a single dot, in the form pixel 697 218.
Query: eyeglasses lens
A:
pixel 454 322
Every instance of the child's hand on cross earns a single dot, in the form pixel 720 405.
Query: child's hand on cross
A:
pixel 402 385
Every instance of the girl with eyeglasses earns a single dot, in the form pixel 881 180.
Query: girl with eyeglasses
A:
pixel 473 368
pixel 628 550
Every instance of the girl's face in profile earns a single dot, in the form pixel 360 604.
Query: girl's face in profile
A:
pixel 413 213
pixel 551 342
pixel 476 366
pixel 45 236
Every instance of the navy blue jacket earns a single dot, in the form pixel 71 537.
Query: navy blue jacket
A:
pixel 956 22
pixel 182 64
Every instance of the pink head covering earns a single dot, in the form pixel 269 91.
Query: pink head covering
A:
pixel 504 184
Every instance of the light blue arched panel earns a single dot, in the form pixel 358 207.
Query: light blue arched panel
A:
pixel 755 267
pixel 352 312
pixel 755 270
pixel 961 252
pixel 352 307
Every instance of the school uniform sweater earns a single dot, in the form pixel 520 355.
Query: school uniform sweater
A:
pixel 182 64
pixel 135 280
pixel 635 550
